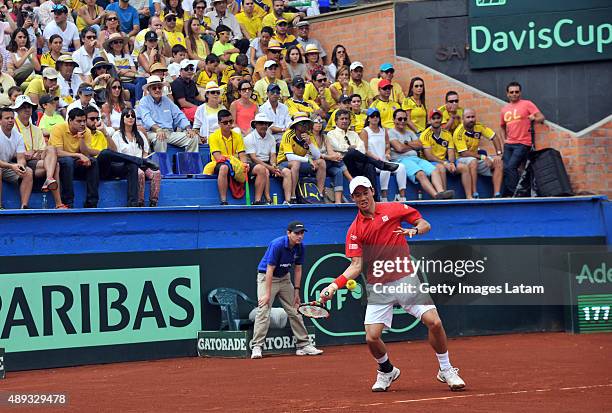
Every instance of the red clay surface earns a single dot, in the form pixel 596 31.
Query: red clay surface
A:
pixel 554 372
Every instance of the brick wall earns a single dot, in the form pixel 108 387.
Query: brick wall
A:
pixel 368 33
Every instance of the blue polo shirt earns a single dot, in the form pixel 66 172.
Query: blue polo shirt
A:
pixel 128 18
pixel 281 256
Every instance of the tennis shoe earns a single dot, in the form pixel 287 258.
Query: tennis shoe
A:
pixel 256 352
pixel 451 377
pixel 384 380
pixel 308 350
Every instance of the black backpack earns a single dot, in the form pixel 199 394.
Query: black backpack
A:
pixel 307 191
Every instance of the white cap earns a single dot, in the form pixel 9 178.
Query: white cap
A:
pixel 49 73
pixel 21 100
pixel 355 65
pixel 186 62
pixel 261 117
pixel 269 63
pixel 359 181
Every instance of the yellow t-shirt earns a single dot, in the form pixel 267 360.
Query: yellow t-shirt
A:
pixel 47 60
pixel 470 141
pixel 364 90
pixel 287 42
pixel 36 87
pixel 270 19
pixel 80 22
pixel 446 117
pixel 32 136
pixel 305 106
pixel 201 48
pixel 204 78
pixel 386 110
pixel 289 145
pixel 397 93
pixel 439 146
pixel 261 87
pixel 175 38
pixel 260 12
pixel 311 93
pixel 360 119
pixel 229 72
pixel 252 25
pixel 227 147
pixel 418 113
pixel 62 139
pixel 180 21
pixel 98 141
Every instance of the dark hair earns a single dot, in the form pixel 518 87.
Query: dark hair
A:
pixel 223 28
pixel 355 95
pixel 367 120
pixel 243 82
pixel 341 112
pixel 74 112
pixel 193 5
pixel 4 109
pixel 135 131
pixel 317 73
pixel 13 89
pixel 89 109
pixel 242 60
pixel 415 79
pixel 191 35
pixel 450 93
pixel 347 61
pixel 109 90
pixel 84 33
pixel 12 46
pixel 223 113
pixel 268 29
pixel 212 58
pixel 289 50
pixel 177 48
pixel 397 111
pixel 180 13
pixel 511 84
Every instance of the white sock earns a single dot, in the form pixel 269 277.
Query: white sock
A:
pixel 443 360
pixel 385 358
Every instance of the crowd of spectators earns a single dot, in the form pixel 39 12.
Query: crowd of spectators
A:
pixel 89 89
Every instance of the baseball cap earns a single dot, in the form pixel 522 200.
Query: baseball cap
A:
pixel 186 63
pixel 296 226
pixel 85 89
pixel 386 66
pixel 270 63
pixel 435 112
pixel 44 99
pixel 22 100
pixel 273 87
pixel 49 73
pixel 384 83
pixel 355 65
pixel 281 20
pixel 359 181
pixel 345 99
pixel 59 8
pixel 372 111
pixel 169 14
pixel 274 44
pixel 298 81
pixel 151 36
pixel 302 23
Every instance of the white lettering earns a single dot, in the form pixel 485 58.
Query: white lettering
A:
pixel 557 33
pixel 475 46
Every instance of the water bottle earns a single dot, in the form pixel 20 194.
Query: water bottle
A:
pixel 44 201
pixel 420 195
pixel 274 199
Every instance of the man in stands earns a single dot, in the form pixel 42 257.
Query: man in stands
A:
pixel 297 103
pixel 387 71
pixel 42 86
pixel 185 91
pixel 163 120
pixel 277 111
pixel 303 30
pixel 261 86
pixel 273 53
pixel 85 54
pixel 278 12
pixel 384 104
pixel 516 117
pixel 67 30
pixel 360 87
pixel 66 137
pixel 439 149
pixel 467 143
pixel 13 166
pixel 452 114
pixel 85 98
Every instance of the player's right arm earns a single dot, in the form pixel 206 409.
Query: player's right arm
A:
pixel 352 272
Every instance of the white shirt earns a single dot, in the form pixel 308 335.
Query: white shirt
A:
pixel 228 20
pixel 408 136
pixel 83 59
pixel 65 86
pixel 130 147
pixel 68 36
pixel 280 117
pixel 10 146
pixel 77 104
pixel 261 147
pixel 376 141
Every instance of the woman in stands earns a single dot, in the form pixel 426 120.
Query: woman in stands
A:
pixel 176 7
pixel 130 141
pixel 114 105
pixel 335 168
pixel 110 26
pixel 23 61
pixel 124 63
pixel 55 51
pixel 341 85
pixel 376 141
pixel 339 58
pixel 313 61
pixel 90 14
pixel 197 49
pixel 244 109
pixel 415 107
pixel 259 45
pixel 230 92
pixel 294 64
pixel 205 119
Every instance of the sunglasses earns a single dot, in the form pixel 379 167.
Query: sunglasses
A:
pixel 130 115
pixel 156 87
pixel 275 51
pixel 282 24
pixel 453 101
pixel 170 19
pixel 189 69
pixel 200 7
pixel 340 52
pixel 323 79
pixel 214 92
pixel 274 92
pixel 110 19
pixel 227 122
pixel 116 87
pixel 245 89
pixel 418 86
pixel 114 42
pixel 402 119
pixel 387 88
pixel 94 118
pixel 390 71
pixel 513 93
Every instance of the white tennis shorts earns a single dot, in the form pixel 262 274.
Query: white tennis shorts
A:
pixel 383 313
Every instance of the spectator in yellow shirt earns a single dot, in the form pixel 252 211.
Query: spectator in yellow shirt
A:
pixel 415 107
pixel 451 112
pixel 250 23
pixel 360 87
pixel 175 7
pixel 278 12
pixel 297 104
pixel 46 84
pixel 386 107
pixel 387 71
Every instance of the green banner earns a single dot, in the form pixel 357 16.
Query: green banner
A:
pixel 50 310
pixel 542 38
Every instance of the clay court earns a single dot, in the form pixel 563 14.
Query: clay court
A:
pixel 553 372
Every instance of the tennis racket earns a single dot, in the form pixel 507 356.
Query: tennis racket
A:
pixel 314 309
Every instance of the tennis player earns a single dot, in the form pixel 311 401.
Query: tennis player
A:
pixel 377 239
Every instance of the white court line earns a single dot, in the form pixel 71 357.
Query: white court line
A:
pixel 463 396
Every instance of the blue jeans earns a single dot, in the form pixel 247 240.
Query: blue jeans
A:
pixel 334 171
pixel 135 89
pixel 514 155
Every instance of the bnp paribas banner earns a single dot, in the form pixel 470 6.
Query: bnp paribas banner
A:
pixel 69 309
pixel 526 32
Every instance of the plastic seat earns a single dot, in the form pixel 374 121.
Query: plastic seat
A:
pixel 165 165
pixel 189 163
pixel 227 299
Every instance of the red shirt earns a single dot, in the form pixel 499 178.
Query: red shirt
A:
pixel 515 117
pixel 373 240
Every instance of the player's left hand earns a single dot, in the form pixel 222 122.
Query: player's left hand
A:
pixel 410 232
